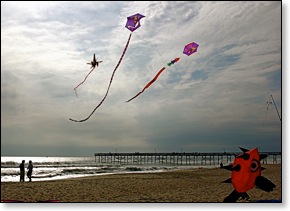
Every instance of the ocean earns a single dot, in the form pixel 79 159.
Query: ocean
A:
pixel 54 168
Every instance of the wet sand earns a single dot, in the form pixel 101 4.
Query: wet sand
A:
pixel 195 185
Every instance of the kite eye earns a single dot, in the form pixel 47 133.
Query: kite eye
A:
pixel 254 166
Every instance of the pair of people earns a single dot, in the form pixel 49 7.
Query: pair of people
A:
pixel 22 170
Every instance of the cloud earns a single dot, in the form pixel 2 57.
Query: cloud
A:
pixel 215 97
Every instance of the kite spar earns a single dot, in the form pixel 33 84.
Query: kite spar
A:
pixel 133 23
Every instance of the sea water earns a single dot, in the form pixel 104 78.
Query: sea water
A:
pixel 54 168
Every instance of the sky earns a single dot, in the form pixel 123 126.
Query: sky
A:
pixel 214 100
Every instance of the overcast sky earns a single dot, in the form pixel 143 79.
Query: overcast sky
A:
pixel 211 101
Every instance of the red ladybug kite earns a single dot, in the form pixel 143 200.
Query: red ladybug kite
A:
pixel 246 174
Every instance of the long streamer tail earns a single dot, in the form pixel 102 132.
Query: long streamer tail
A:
pixel 125 49
pixel 83 80
pixel 149 84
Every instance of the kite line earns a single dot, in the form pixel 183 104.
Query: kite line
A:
pixel 276 108
pixel 125 49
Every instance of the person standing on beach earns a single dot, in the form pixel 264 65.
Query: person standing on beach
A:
pixel 22 171
pixel 29 173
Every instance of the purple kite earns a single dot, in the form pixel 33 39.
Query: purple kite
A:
pixel 133 22
pixel 190 48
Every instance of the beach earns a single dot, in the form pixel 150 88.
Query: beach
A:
pixel 192 185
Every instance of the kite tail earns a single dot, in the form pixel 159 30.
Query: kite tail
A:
pixel 135 96
pixel 169 64
pixel 125 49
pixel 149 84
pixel 83 80
pixel 76 92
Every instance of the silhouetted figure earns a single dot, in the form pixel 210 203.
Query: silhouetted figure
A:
pixel 29 173
pixel 22 171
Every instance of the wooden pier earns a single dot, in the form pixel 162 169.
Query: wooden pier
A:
pixel 182 158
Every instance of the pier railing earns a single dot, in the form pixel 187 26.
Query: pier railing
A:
pixel 179 158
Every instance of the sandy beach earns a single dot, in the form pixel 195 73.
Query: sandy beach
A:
pixel 195 185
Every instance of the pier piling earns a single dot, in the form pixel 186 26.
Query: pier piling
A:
pixel 175 158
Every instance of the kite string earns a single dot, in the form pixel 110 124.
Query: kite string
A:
pixel 125 49
pixel 268 103
pixel 276 108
